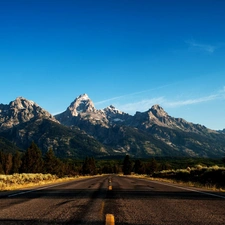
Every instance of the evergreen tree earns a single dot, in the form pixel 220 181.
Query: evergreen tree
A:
pixel 165 166
pixel 116 168
pixel 108 168
pixel 1 169
pixel 16 162
pixel 32 161
pixel 54 165
pixel 152 167
pixel 127 165
pixel 139 167
pixel 89 166
pixel 8 164
pixel 1 162
pixel 50 162
pixel 71 168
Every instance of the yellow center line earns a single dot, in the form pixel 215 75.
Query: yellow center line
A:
pixel 102 210
pixel 109 219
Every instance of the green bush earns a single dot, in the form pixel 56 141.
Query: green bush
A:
pixel 206 176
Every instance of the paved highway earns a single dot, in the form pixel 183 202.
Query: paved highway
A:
pixel 132 201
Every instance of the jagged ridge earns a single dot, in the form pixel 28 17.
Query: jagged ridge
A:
pixel 19 111
pixel 150 133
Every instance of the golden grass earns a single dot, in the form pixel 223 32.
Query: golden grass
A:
pixel 187 184
pixel 25 180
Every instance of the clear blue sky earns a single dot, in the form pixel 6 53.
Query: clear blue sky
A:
pixel 128 53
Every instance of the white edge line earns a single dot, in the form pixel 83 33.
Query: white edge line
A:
pixel 25 192
pixel 189 189
pixel 37 189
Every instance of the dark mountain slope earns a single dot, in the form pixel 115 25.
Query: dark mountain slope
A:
pixel 145 134
pixel 65 142
pixel 194 144
pixel 86 131
pixel 139 143
pixel 7 146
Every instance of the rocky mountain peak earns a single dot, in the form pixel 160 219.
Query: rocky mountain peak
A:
pixel 115 116
pixel 111 109
pixel 81 104
pixel 21 103
pixel 158 111
pixel 149 133
pixel 83 97
pixel 155 115
pixel 21 110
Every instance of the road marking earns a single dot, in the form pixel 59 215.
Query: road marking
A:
pixel 110 188
pixel 109 220
pixel 188 189
pixel 102 209
pixel 37 189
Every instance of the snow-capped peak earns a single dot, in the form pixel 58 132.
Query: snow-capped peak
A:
pixel 111 109
pixel 81 104
pixel 83 97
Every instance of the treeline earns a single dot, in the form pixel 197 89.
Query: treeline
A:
pixel 32 161
pixel 199 175
pixel 154 165
pixel 141 167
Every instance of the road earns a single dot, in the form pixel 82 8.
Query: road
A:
pixel 132 201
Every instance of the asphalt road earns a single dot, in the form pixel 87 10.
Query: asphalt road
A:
pixel 132 201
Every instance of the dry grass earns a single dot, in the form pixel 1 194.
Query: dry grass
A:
pixel 207 186
pixel 24 180
pixel 188 184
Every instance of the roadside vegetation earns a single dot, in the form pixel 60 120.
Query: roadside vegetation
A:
pixel 212 177
pixel 32 168
pixel 10 182
pixel 192 172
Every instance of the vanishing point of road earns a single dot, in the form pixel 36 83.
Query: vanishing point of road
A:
pixel 132 201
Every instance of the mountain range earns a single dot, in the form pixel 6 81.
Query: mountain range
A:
pixel 82 130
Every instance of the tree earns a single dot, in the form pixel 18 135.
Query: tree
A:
pixel 89 166
pixel 52 164
pixel 6 162
pixel 165 166
pixel 116 168
pixel 139 167
pixel 71 168
pixel 16 162
pixel 152 166
pixel 127 165
pixel 1 162
pixel 1 169
pixel 32 161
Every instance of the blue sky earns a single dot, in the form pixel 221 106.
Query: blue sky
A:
pixel 128 53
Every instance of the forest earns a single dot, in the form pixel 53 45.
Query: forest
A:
pixel 201 171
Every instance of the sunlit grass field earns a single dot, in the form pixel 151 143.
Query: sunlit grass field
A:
pixel 23 180
pixel 212 177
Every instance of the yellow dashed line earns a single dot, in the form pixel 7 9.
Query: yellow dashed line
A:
pixel 109 220
pixel 102 210
pixel 110 187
